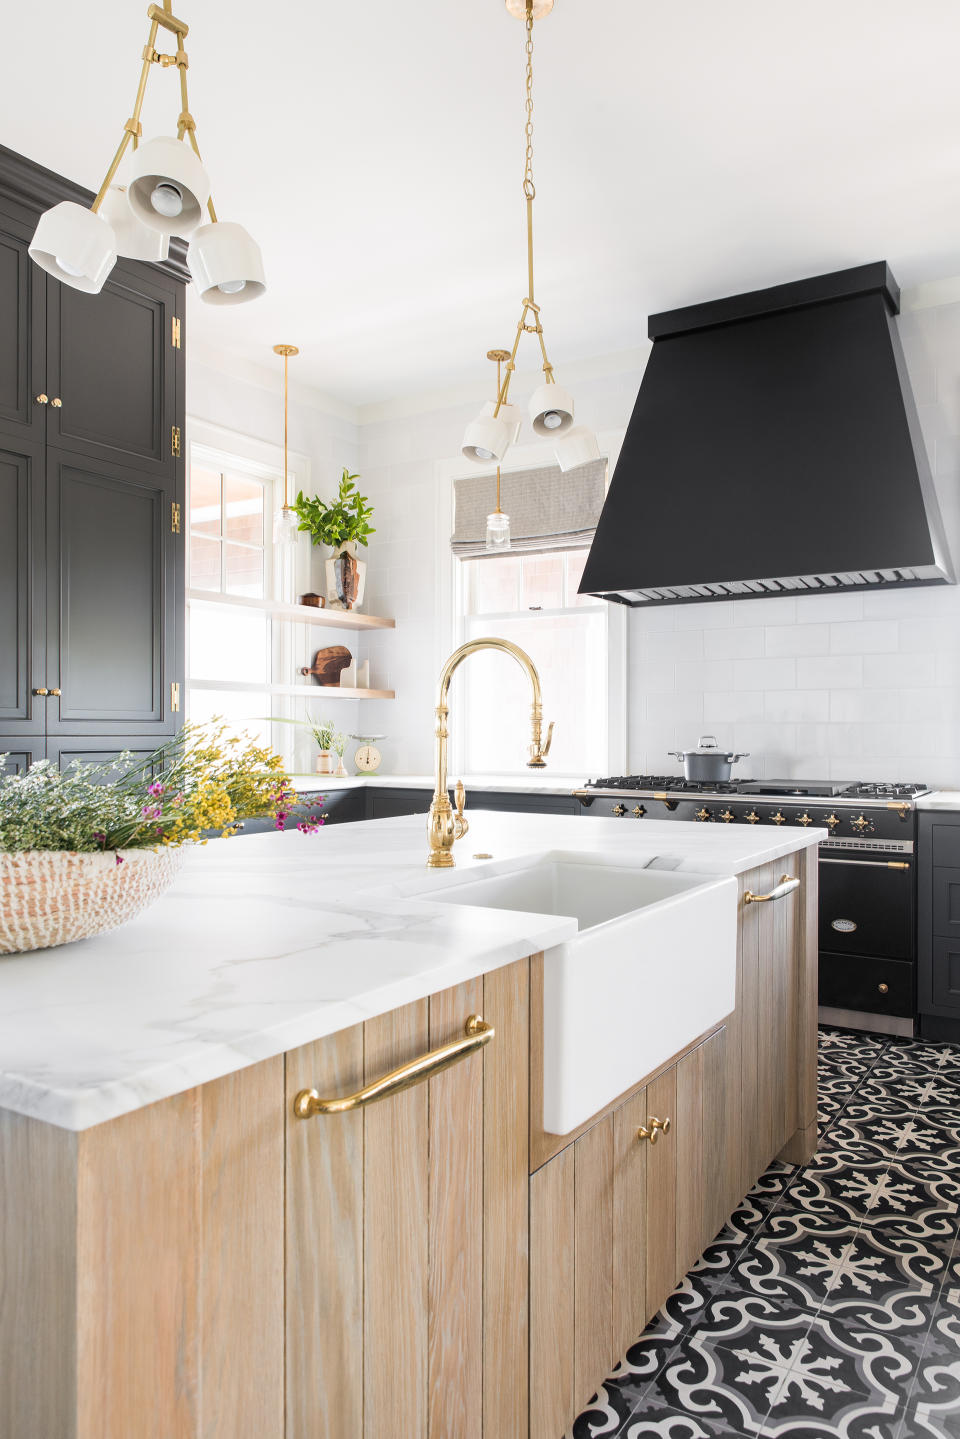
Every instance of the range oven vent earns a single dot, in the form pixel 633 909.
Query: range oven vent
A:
pixel 774 448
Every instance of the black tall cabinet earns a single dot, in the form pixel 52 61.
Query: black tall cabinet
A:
pixel 92 478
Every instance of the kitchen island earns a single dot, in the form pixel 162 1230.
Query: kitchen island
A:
pixel 182 1255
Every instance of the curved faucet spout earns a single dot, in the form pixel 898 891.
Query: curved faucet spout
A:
pixel 443 826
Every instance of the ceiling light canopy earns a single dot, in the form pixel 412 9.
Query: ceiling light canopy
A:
pixel 166 193
pixel 497 427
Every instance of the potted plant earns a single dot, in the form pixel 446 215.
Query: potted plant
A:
pixel 82 851
pixel 342 525
pixel 325 735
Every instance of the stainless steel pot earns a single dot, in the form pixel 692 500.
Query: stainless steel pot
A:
pixel 706 762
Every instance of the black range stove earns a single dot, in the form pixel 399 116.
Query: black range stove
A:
pixel 868 939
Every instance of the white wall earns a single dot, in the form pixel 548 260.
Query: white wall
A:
pixel 845 686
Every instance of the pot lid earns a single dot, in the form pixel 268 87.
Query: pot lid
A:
pixel 707 744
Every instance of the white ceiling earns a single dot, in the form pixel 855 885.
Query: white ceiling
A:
pixel 374 149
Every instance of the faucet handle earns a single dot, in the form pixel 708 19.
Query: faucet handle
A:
pixel 546 748
pixel 460 825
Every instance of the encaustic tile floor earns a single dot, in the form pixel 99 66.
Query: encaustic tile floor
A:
pixel 829 1305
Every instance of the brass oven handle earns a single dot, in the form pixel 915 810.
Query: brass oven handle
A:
pixel 900 864
pixel 476 1033
pixel 786 886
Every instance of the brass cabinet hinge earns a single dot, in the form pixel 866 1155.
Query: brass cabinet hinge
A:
pixel 175 698
pixel 175 442
pixel 175 518
pixel 175 332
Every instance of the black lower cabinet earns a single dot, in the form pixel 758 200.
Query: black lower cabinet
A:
pixel 336 807
pixel 938 868
pixel 385 803
pixel 867 984
pixel 21 752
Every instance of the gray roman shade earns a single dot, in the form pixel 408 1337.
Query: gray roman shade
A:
pixel 548 509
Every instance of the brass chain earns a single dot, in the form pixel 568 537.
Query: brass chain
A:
pixel 529 189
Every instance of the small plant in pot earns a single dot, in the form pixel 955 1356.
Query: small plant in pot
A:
pixel 343 525
pixel 325 736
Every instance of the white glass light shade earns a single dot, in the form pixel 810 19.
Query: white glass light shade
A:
pixel 134 240
pixel 226 264
pixel 577 447
pixel 75 245
pixel 169 186
pixel 286 525
pixel 488 437
pixel 551 410
pixel 498 531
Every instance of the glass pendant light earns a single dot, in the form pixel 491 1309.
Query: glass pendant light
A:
pixel 498 524
pixel 167 193
pixel 286 521
pixel 550 408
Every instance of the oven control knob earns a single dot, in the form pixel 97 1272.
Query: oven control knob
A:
pixel 862 825
pixel 804 819
pixel 639 811
pixel 752 817
pixel 703 815
pixel 619 809
pixel 727 815
pixel 778 818
pixel 832 820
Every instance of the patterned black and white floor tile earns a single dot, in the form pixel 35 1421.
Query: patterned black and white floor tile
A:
pixel 828 1307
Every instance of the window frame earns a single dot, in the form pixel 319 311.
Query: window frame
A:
pixel 452 605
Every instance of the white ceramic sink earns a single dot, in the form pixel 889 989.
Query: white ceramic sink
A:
pixel 654 965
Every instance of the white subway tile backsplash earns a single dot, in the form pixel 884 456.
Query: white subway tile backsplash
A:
pixel 764 674
pixel 864 637
pixel 673 644
pixel 733 644
pixel 732 706
pixel 800 706
pixel 675 708
pixel 704 674
pixel 914 670
pixel 797 639
pixel 823 608
pixel 711 615
pixel 774 610
pixel 832 672
pixel 852 706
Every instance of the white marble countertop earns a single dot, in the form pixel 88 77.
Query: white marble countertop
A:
pixel 529 783
pixel 269 942
pixel 940 799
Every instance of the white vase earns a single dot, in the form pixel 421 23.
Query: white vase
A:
pixel 55 896
pixel 334 602
pixel 325 762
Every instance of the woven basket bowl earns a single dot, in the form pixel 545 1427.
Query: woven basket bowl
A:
pixel 52 897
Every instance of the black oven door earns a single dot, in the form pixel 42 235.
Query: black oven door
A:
pixel 866 907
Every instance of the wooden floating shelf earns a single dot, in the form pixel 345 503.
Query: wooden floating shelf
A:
pixel 334 691
pixel 298 614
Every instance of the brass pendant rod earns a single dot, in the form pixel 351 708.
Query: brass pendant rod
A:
pixel 131 130
pixel 286 425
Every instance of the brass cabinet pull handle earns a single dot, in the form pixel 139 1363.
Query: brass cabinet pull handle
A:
pixel 476 1033
pixel 41 692
pixel 657 1127
pixel 43 399
pixel 54 692
pixel 786 886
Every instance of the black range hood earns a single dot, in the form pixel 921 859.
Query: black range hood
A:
pixel 774 447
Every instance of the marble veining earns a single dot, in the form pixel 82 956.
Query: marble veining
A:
pixel 271 941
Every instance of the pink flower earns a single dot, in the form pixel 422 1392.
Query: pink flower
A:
pixel 156 788
pixel 119 858
pixel 177 799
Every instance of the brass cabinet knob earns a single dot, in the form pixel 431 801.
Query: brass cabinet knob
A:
pixel 663 1124
pixel 862 824
pixel 43 399
pixel 884 988
pixel 619 809
pixel 832 820
pixel 804 819
pixel 55 692
pixel 652 1134
pixel 41 692
pixel 57 404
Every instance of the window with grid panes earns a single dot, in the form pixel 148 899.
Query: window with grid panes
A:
pixel 532 600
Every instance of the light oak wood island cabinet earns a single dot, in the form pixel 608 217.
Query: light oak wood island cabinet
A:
pixel 431 1266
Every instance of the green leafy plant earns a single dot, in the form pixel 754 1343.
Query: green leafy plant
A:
pixel 205 779
pixel 344 520
pixel 339 743
pixel 324 734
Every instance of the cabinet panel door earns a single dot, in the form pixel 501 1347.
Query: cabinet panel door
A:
pixel 62 750
pixel 112 365
pixel 594 1348
pixel 21 752
pixel 946 974
pixel 21 596
pixel 946 903
pixel 22 311
pixel 662 1271
pixel 552 1245
pixel 630 1313
pixel 113 613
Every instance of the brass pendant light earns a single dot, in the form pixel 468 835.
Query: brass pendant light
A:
pixel 550 407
